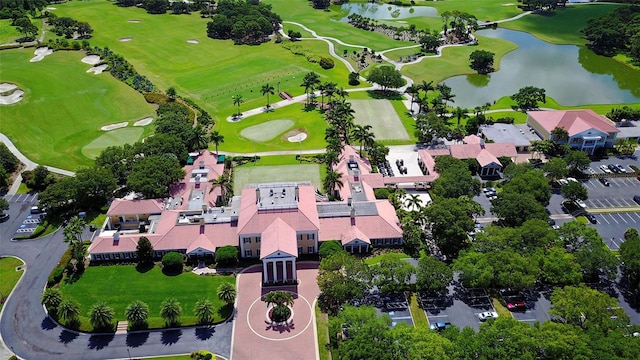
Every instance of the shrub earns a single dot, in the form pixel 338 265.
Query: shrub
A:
pixel 156 98
pixel 381 193
pixel 328 248
pixel 354 79
pixel 227 256
pixel 327 63
pixel 172 262
pixel 505 120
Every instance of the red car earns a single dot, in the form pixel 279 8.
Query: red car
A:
pixel 516 305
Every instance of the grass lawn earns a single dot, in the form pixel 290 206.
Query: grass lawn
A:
pixel 9 276
pixel 267 130
pixel 117 137
pixel 250 174
pixel 63 107
pixel 500 309
pixel 382 117
pixel 417 314
pixel 376 259
pixel 23 189
pixel 119 285
pixel 8 33
pixel 322 328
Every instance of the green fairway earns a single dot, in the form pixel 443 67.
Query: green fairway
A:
pixel 119 285
pixel 117 137
pixel 250 174
pixel 8 33
pixel 9 276
pixel 267 130
pixel 382 117
pixel 63 106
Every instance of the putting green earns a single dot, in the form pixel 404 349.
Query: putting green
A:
pixel 116 137
pixel 267 131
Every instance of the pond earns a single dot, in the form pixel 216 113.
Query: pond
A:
pixel 570 74
pixel 387 11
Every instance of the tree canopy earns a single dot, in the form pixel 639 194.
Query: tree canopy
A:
pixel 482 61
pixel 244 22
pixel 615 32
pixel 528 97
pixel 151 176
pixel 386 76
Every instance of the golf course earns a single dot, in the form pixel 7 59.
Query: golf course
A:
pixel 59 119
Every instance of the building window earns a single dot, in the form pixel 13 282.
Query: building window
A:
pixel 98 257
pixel 126 255
pixel 116 256
pixel 247 253
pixel 312 236
pixel 106 256
pixel 387 241
pixel 299 237
pixel 311 250
pixel 257 239
pixel 158 254
pixel 299 249
pixel 247 240
pixel 396 241
pixel 258 253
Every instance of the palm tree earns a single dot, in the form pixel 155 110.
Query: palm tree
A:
pixel 331 158
pixel 267 90
pixel 412 90
pixel 203 310
pixel 73 236
pixel 278 298
pixel 445 93
pixel 322 87
pixel 137 313
pixel 331 181
pixel 237 100
pixel 101 316
pixel 68 310
pixel 199 137
pixel 310 81
pixel 51 299
pixel 413 201
pixel 342 93
pixel 216 138
pixel 330 90
pixel 363 134
pixel 227 293
pixel 224 183
pixel 460 113
pixel 170 311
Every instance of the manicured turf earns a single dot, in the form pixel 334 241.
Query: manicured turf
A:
pixel 267 130
pixel 250 174
pixel 418 315
pixel 119 285
pixel 63 106
pixel 117 137
pixel 376 259
pixel 8 33
pixel 9 275
pixel 322 329
pixel 382 117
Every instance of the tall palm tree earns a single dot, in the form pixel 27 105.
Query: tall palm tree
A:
pixel 322 87
pixel 460 113
pixel 363 134
pixel 412 90
pixel 72 234
pixel 227 293
pixel 170 311
pixel 68 310
pixel 267 89
pixel 309 82
pixel 445 93
pixel 330 90
pixel 216 138
pixel 199 138
pixel 413 201
pixel 204 311
pixel 137 313
pixel 237 100
pixel 332 180
pixel 331 158
pixel 278 298
pixel 224 183
pixel 101 316
pixel 342 93
pixel 51 299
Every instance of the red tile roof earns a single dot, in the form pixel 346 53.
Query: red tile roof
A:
pixel 125 207
pixel 354 233
pixel 573 121
pixel 278 236
pixel 383 225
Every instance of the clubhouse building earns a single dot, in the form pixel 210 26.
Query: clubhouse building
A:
pixel 273 222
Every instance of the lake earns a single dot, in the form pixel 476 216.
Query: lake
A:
pixel 570 74
pixel 387 11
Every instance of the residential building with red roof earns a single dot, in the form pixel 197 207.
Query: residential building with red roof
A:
pixel 586 130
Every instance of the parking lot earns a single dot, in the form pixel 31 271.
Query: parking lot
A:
pixel 619 193
pixel 537 306
pixel 460 307
pixel 612 226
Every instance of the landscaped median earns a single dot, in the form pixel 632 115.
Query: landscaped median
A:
pixel 120 285
pixel 9 276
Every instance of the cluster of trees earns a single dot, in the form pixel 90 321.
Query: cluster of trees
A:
pixel 482 61
pixel 546 5
pixel 616 32
pixel 69 27
pixel 244 22
pixel 387 77
pixel 122 70
pixel 629 259
pixel 177 7
pixel 410 33
pixel 25 27
pixel 624 113
pixel 281 300
pixel 9 163
pixel 458 26
pixel 528 97
pixel 101 315
pixel 14 9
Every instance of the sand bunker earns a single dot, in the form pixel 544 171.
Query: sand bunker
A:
pixel 97 70
pixel 193 41
pixel 114 126
pixel 91 59
pixel 508 4
pixel 296 136
pixel 143 122
pixel 6 87
pixel 125 39
pixel 51 8
pixel 40 53
pixel 12 98
pixel 133 21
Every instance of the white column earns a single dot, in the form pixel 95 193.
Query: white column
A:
pixel 275 270
pixel 265 274
pixel 137 217
pixel 284 269
pixel 293 267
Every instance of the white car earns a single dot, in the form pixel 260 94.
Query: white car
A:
pixel 622 169
pixel 563 182
pixel 605 169
pixel 572 179
pixel 487 315
pixel 581 203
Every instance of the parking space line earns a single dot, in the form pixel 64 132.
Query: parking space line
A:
pixel 630 218
pixel 527 319
pixel 613 241
pixel 437 316
pixel 601 203
pixel 636 215
pixel 612 218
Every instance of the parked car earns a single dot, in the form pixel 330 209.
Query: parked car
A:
pixel 517 305
pixel 35 210
pixel 563 182
pixel 489 189
pixel 613 168
pixel 592 218
pixel 604 181
pixel 4 217
pixel 637 199
pixel 621 168
pixel 581 203
pixel 572 179
pixel 487 315
pixel 605 169
pixel 439 326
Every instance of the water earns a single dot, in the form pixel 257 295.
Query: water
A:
pixel 570 74
pixel 387 11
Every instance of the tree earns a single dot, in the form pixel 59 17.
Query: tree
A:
pixel 556 168
pixel 328 248
pixel 59 196
pixel 309 83
pixel 84 30
pixel 386 76
pixel 451 219
pixel 8 161
pixel 392 274
pixel 237 100
pixel 68 310
pixel 198 138
pixel 354 78
pixel 433 275
pixel 39 179
pixel 93 187
pixel 172 262
pixel 225 184
pixel 528 97
pixel 482 61
pixel 429 43
pixel 455 179
pixel 577 160
pixel 630 257
pixel 170 311
pixel 227 293
pixel 528 181
pixel 25 26
pixel 590 251
pixel 216 138
pixel 73 236
pixel 516 208
pixel 151 176
pixel 51 299
pixel 413 201
pixel 364 135
pixel 4 205
pixel 587 308
pixel 278 298
pixel 475 269
pixel 574 191
pixel 430 127
pixel 155 6
pixel 101 316
pixel 266 89
pixel 341 277
pixel 137 314
pixel 332 180
pixel 460 113
pixel 204 311
pixel 559 267
pixel 227 256
pixel 144 250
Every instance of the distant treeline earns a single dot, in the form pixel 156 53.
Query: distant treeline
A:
pixel 616 32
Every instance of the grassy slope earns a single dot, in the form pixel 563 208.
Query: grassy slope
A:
pixel 63 107
pixel 119 285
pixel 9 275
pixel 322 328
